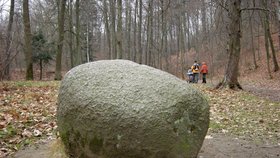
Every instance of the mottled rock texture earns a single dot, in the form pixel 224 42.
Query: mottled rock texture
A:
pixel 120 109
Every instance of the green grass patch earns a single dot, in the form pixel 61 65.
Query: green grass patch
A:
pixel 243 114
pixel 248 97
pixel 215 126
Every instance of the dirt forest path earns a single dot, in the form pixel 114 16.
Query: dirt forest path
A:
pixel 224 146
pixel 214 146
pixel 266 89
pixel 267 92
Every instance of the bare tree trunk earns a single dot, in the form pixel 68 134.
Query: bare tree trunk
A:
pixel 126 54
pixel 197 38
pixel 266 37
pixel 277 12
pixel 6 73
pixel 164 34
pixel 61 19
pixel 27 38
pixel 88 45
pixel 267 30
pixel 149 34
pixel 231 75
pixel 278 18
pixel 252 43
pixel 135 50
pixel 151 50
pixel 267 48
pixel 140 52
pixel 119 31
pixel 185 29
pixel 70 33
pixel 182 41
pixel 71 49
pixel 127 42
pixel 130 54
pixel 41 68
pixel 274 58
pixel 178 30
pixel 171 44
pixel 158 40
pixel 107 28
pixel 188 31
pixel 259 52
pixel 148 44
pixel 78 30
pixel 113 29
pixel 204 21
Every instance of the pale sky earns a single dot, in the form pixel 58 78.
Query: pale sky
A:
pixel 4 6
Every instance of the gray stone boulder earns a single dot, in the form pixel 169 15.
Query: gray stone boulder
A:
pixel 120 109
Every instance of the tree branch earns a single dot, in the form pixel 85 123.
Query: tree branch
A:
pixel 255 8
pixel 221 5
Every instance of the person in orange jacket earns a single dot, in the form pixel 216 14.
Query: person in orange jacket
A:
pixel 204 71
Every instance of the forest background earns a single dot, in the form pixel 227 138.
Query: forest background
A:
pixel 44 39
pixel 238 39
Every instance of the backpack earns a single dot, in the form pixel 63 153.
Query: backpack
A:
pixel 196 67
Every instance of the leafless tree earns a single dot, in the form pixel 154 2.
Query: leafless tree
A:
pixel 6 66
pixel 27 44
pixel 61 16
pixel 231 74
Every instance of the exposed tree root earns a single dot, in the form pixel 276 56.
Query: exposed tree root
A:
pixel 230 85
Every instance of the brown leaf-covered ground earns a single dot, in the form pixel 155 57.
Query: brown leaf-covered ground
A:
pixel 27 114
pixel 243 114
pixel 241 122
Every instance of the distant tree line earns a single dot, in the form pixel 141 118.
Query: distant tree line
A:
pixel 166 34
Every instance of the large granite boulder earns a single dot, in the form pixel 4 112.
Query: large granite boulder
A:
pixel 120 109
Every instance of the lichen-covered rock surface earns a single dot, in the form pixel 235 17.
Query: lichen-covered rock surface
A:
pixel 120 109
